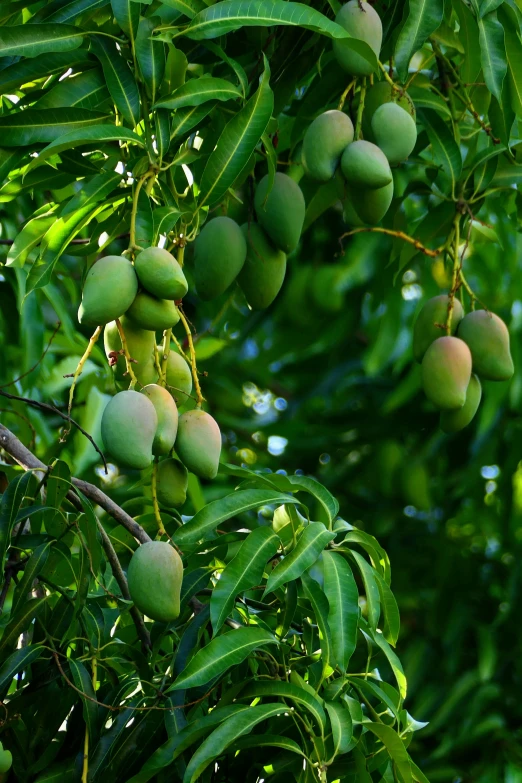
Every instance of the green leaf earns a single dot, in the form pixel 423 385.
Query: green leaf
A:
pixel 395 747
pixel 342 727
pixel 370 587
pixel 37 126
pixel 93 191
pixel 513 49
pixel 233 64
pixel 444 147
pixel 85 91
pixel 144 224
pixel 127 14
pixel 32 568
pixel 309 546
pixel 492 54
pixel 390 610
pixel 424 16
pixel 237 142
pixel 220 654
pixel 32 40
pixel 313 487
pixel 245 570
pixel 186 7
pixel 426 99
pixel 162 125
pixel 151 57
pixel 20 621
pixel 225 508
pixel 83 682
pixel 164 219
pixel 19 661
pixel 267 740
pixel 186 119
pixel 73 10
pixel 27 70
pixel 319 602
pixel 198 91
pixel 469 35
pixel 393 660
pixel 285 690
pixel 224 735
pixel 9 507
pixel 120 80
pixel 487 6
pixel 93 137
pixel 230 15
pixel 343 599
pixel 28 238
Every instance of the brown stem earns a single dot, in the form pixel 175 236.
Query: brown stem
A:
pixel 400 235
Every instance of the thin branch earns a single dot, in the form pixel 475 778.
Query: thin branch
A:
pixel 399 235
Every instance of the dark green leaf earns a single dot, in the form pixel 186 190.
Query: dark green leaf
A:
pixel 86 91
pixel 492 53
pixel 342 727
pixel 28 70
pixel 343 599
pixel 20 621
pixel 370 587
pixel 36 39
pixel 32 568
pixel 185 120
pixel 313 487
pixel 120 80
pixel 186 7
pixel 424 16
pixel 395 747
pixel 28 238
pixel 127 14
pixel 39 126
pixel 198 91
pixel 74 9
pixel 309 546
pixel 83 682
pixel 151 57
pixel 9 508
pixel 93 191
pixel 444 147
pixel 319 602
pixel 19 661
pixel 286 690
pixel 94 137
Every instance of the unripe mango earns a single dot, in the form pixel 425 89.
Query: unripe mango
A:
pixel 350 216
pixel 431 322
pixel 376 95
pixel 362 22
pixel 151 313
pixel 160 274
pixel 155 575
pixel 167 414
pixel 365 165
pixel 446 371
pixel 395 132
pixel 128 429
pixel 6 759
pixel 172 482
pixel 264 271
pixel 487 337
pixel 454 421
pixel 324 142
pixel 281 214
pixel 219 254
pixel 198 444
pixel 140 344
pixel 371 204
pixel 110 287
pixel 179 377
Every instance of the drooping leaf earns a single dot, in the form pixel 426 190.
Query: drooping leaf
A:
pixel 342 727
pixel 315 488
pixel 395 747
pixel 30 69
pixel 319 602
pixel 36 39
pixel 309 546
pixel 370 587
pixel 424 16
pixel 185 120
pixel 28 238
pixel 83 682
pixel 93 191
pixel 19 661
pixel 151 57
pixel 20 621
pixel 220 654
pixel 127 14
pixel 198 91
pixel 343 599
pixel 72 10
pixel 444 147
pixel 40 126
pixel 85 91
pixel 94 137
pixel 492 53
pixel 9 508
pixel 120 79
pixel 286 690
pixel 32 568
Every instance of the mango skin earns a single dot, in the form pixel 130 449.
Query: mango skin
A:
pixel 167 414
pixel 160 274
pixel 219 254
pixel 155 575
pixel 365 25
pixel 371 205
pixel 487 337
pixel 425 331
pixel 110 288
pixel 283 214
pixel 6 760
pixel 198 444
pixel 454 421
pixel 172 482
pixel 140 343
pixel 179 377
pixel 151 313
pixel 365 165
pixel 128 429
pixel 376 95
pixel 324 142
pixel 395 132
pixel 264 271
pixel 446 372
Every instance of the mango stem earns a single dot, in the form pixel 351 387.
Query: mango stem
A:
pixel 344 96
pixel 77 374
pixel 360 109
pixel 399 235
pixel 199 395
pixel 155 503
pixel 128 358
pixel 455 273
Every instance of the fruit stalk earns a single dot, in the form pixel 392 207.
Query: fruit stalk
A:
pixel 128 358
pixel 76 375
pixel 360 109
pixel 155 504
pixel 455 273
pixel 199 395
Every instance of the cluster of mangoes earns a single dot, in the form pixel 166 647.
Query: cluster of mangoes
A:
pixel 254 253
pixel 138 426
pixel 387 125
pixel 476 347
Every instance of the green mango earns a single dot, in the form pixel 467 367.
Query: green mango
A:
pixel 160 274
pixel 350 216
pixel 6 760
pixel 446 371
pixel 371 205
pixel 151 313
pixel 110 288
pixel 431 321
pixel 365 165
pixel 324 142
pixel 155 575
pixel 376 95
pixel 281 214
pixel 128 429
pixel 362 22
pixel 140 344
pixel 454 421
pixel 395 132
pixel 415 485
pixel 264 271
pixel 487 337
pixel 198 444
pixel 179 377
pixel 172 482
pixel 167 414
pixel 219 254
